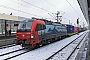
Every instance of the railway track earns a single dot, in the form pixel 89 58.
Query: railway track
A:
pixel 7 46
pixel 70 48
pixel 1 40
pixel 17 50
pixel 13 51
pixel 6 42
pixel 16 55
pixel 10 52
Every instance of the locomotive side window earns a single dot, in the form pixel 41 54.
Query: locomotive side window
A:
pixel 40 27
pixel 43 27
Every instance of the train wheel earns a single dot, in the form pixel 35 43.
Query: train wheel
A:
pixel 41 44
pixel 23 45
pixel 37 45
pixel 30 47
pixel 16 42
pixel 49 41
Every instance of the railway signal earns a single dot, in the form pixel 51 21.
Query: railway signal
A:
pixel 78 21
pixel 78 24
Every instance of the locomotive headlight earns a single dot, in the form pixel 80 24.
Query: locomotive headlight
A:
pixel 32 35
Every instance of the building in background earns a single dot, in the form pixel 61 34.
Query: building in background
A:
pixel 8 22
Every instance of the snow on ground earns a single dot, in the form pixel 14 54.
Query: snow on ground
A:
pixel 46 51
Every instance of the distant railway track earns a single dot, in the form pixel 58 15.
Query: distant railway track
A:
pixel 1 40
pixel 4 43
pixel 6 46
pixel 11 52
pixel 17 54
pixel 62 49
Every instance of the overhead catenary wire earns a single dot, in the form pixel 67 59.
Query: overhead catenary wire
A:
pixel 73 8
pixel 30 4
pixel 51 16
pixel 76 5
pixel 83 15
pixel 57 8
pixel 36 6
pixel 81 11
pixel 19 3
pixel 52 5
pixel 17 10
pixel 60 10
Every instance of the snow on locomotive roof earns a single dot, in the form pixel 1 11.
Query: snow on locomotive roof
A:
pixel 54 23
pixel 48 22
pixel 29 20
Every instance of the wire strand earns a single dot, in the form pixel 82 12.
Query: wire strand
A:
pixel 73 8
pixel 17 10
pixel 30 4
pixel 35 6
pixel 57 8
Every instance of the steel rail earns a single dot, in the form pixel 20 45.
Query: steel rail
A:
pixel 8 45
pixel 63 48
pixel 75 48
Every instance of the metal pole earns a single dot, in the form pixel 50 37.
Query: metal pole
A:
pixel 57 17
pixel 5 29
pixel 10 24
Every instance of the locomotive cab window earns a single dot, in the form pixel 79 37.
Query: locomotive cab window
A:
pixel 25 26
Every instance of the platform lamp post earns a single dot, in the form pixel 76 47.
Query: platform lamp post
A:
pixel 10 23
pixel 5 29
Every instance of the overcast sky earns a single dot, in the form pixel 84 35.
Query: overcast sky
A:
pixel 44 9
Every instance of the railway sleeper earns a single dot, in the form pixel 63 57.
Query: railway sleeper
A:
pixel 16 42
